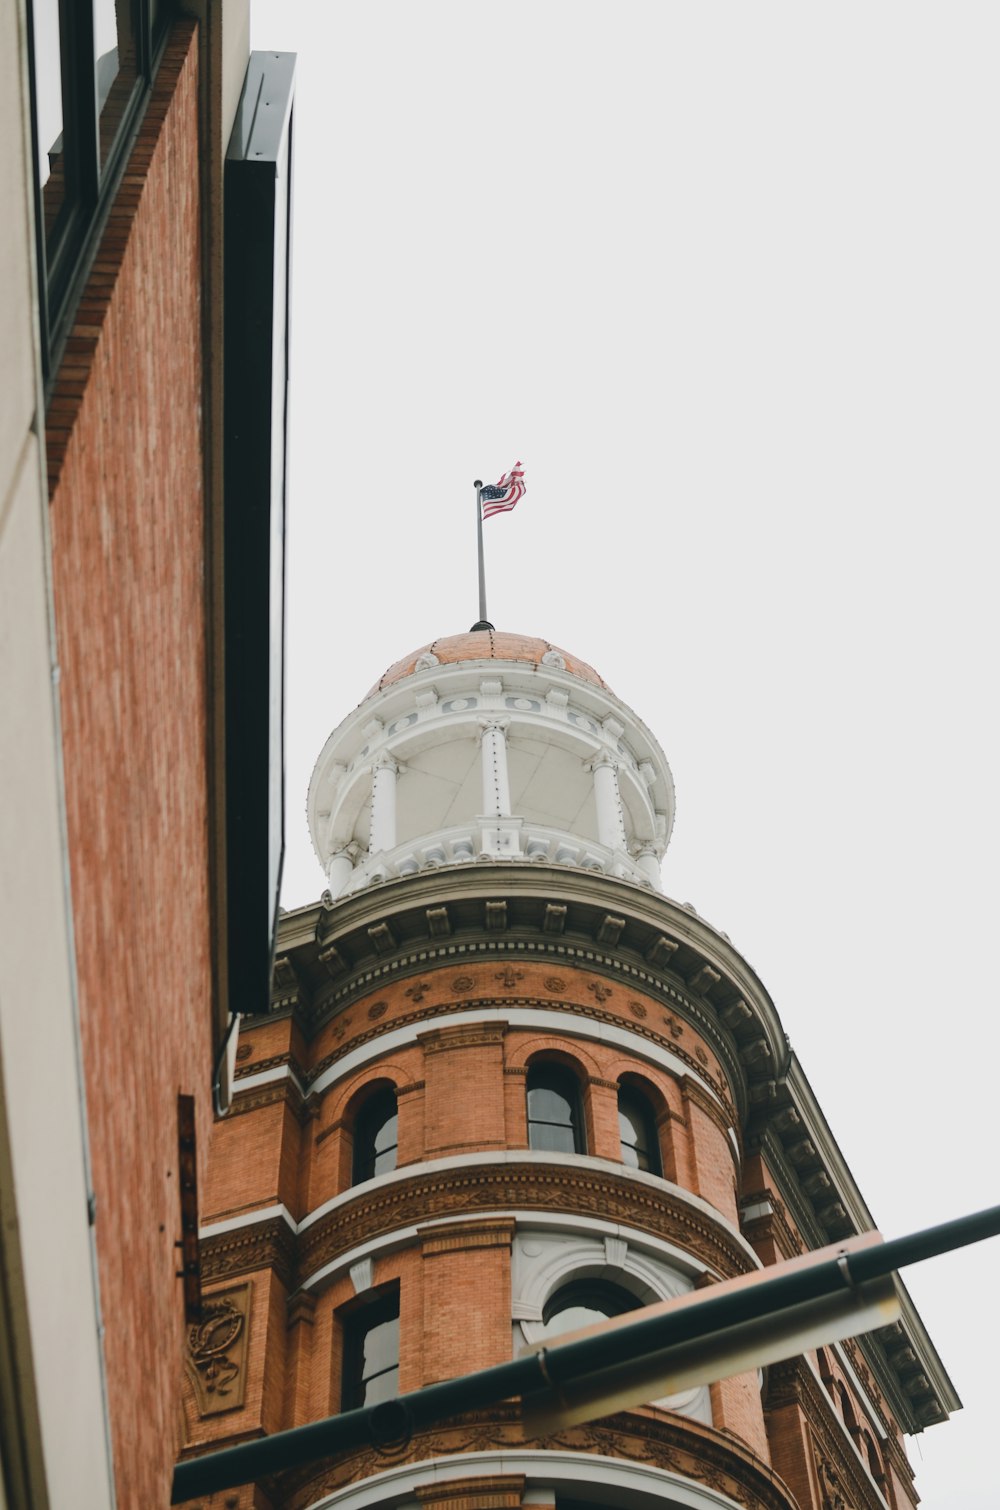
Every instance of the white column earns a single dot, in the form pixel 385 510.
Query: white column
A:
pixel 496 784
pixel 339 869
pixel 382 832
pixel 649 863
pixel 610 822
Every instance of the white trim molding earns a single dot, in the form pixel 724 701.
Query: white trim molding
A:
pixel 629 1486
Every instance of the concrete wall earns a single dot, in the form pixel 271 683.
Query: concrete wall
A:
pixel 51 1319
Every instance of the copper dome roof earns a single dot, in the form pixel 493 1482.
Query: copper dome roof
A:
pixel 490 645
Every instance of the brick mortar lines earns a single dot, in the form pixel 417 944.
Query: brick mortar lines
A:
pixel 69 388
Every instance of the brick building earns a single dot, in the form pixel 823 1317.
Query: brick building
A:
pixel 506 1087
pixel 141 336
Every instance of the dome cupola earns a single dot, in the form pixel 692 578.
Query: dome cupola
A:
pixel 490 746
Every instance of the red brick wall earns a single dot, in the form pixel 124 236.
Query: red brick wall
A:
pixel 125 451
pixel 460 1090
pixel 466 1290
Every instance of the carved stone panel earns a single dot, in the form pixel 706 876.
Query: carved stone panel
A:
pixel 217 1351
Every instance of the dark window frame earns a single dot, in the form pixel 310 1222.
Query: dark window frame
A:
pixel 357 1324
pixel 564 1083
pixel 64 255
pixel 372 1118
pixel 642 1111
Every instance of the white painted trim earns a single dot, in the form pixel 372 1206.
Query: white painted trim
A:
pixel 632 1486
pixel 269 1077
pixel 564 1023
pixel 540 1217
pixel 469 840
pixel 389 1242
pixel 544 1259
pixel 247 1219
pixel 444 704
pixel 531 1156
pixel 596 1226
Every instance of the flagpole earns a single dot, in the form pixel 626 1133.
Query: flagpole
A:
pixel 482 564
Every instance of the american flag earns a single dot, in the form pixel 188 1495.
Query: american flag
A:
pixel 503 495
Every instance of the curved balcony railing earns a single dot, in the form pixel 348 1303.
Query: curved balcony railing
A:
pixel 498 839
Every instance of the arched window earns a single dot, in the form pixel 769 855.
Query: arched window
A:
pixel 371 1353
pixel 874 1463
pixel 637 1130
pixel 375 1136
pixel 554 1121
pixel 847 1408
pixel 584 1301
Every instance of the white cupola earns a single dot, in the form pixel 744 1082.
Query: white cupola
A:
pixel 490 746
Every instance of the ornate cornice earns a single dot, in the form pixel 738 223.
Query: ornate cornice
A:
pixel 247 1065
pixel 406 913
pixel 531 1186
pixel 479 1189
pixel 285 1091
pixel 269 1244
pixel 508 912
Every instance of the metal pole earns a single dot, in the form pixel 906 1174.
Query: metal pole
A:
pixel 386 1424
pixel 621 1345
pixel 482 565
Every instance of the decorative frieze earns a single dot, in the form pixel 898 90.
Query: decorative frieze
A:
pixel 269 1244
pixel 680 1447
pixel 645 1027
pixel 428 1196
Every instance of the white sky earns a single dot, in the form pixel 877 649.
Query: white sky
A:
pixel 725 278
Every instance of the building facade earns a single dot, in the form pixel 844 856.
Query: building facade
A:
pixel 117 794
pixel 507 1087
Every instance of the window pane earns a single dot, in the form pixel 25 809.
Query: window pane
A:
pixel 638 1133
pixel 547 1105
pixel 584 1301
pixel 382 1387
pixel 385 1138
pixel 375 1137
pixel 115 65
pixel 551 1138
pixel 371 1354
pixel 573 1318
pixel 49 110
pixel 381 1349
